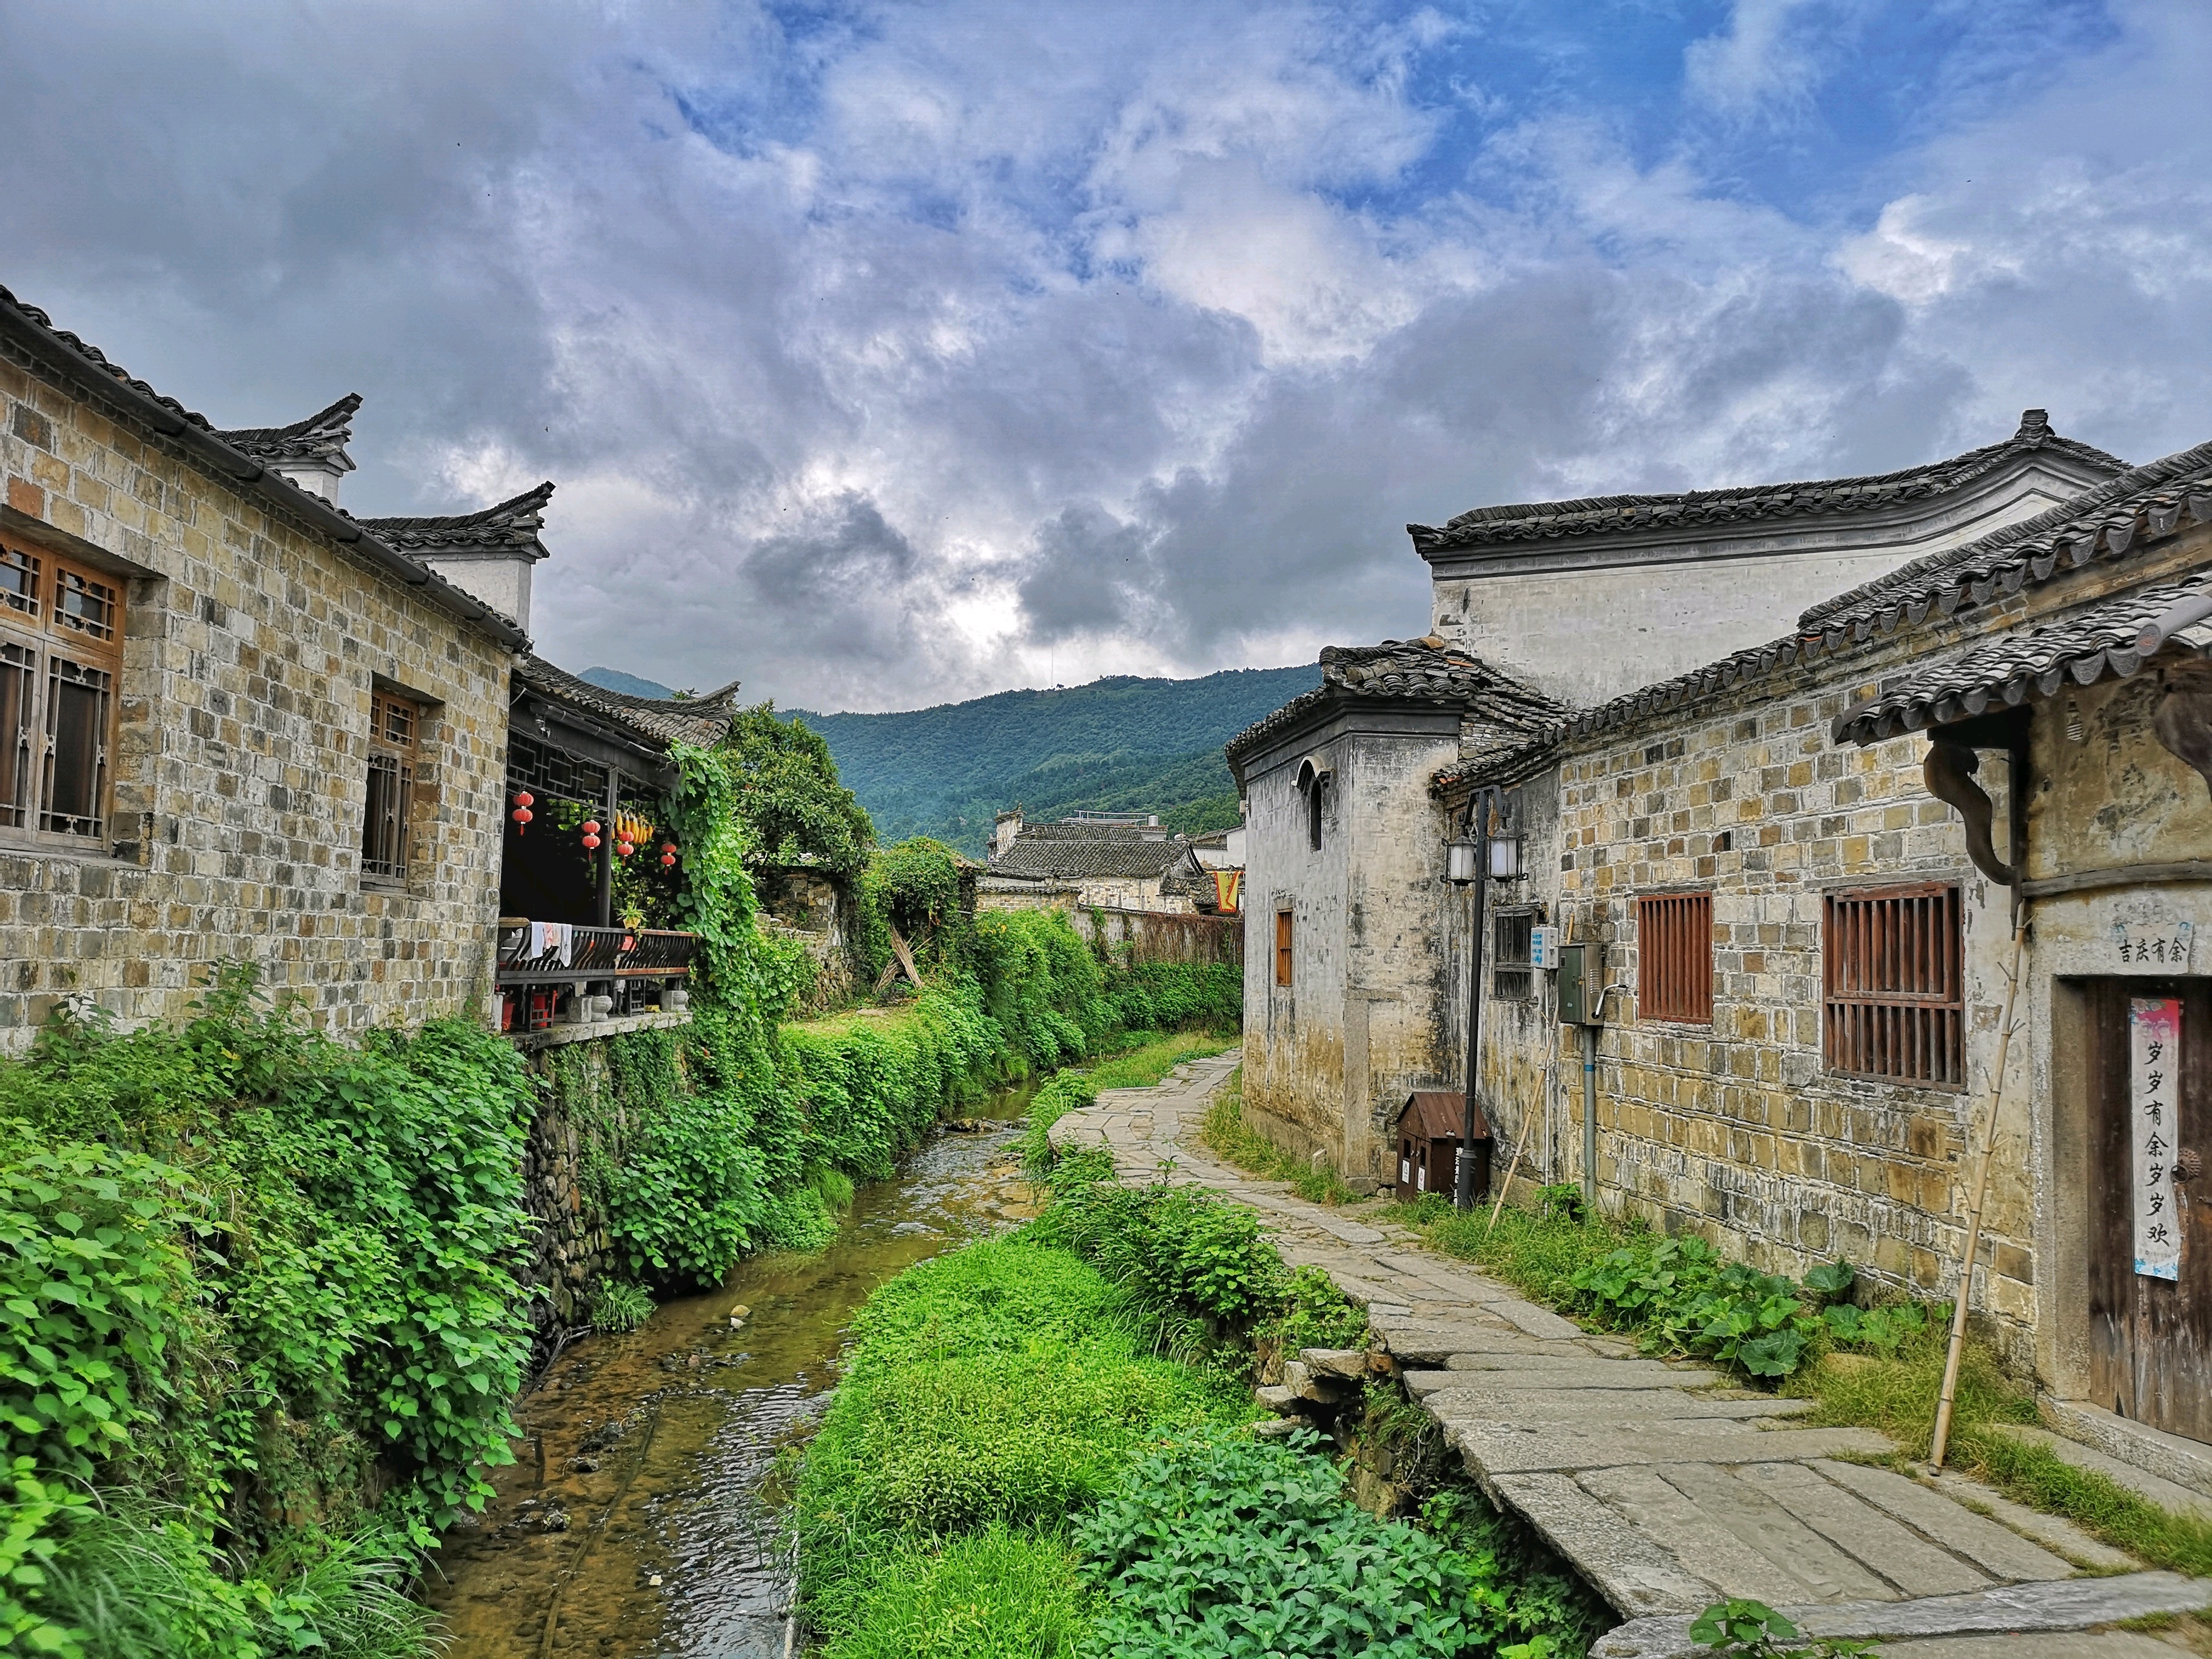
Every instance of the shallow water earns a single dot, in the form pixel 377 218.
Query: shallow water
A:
pixel 640 1517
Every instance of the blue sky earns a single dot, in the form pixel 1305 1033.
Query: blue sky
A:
pixel 888 353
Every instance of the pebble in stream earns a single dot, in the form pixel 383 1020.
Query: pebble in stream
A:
pixel 637 1522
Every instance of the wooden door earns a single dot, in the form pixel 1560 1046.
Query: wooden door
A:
pixel 2150 1339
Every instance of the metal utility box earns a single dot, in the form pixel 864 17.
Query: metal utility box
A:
pixel 1430 1125
pixel 1581 984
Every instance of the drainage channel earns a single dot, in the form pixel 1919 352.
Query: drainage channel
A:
pixel 642 1516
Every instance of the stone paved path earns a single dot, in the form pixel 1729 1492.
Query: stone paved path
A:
pixel 1666 1488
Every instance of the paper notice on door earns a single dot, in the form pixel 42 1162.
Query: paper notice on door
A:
pixel 2154 1106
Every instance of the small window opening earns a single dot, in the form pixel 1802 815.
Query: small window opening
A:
pixel 1282 947
pixel 1674 958
pixel 1512 977
pixel 385 828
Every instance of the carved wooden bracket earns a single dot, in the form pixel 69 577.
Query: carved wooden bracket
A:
pixel 2182 720
pixel 1950 769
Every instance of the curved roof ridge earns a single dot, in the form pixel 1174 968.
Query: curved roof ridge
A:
pixel 508 526
pixel 703 719
pixel 322 436
pixel 1594 514
pixel 2149 475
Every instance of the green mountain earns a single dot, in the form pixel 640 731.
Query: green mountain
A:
pixel 1121 744
pixel 631 685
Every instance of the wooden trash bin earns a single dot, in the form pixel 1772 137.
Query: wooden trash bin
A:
pixel 1429 1126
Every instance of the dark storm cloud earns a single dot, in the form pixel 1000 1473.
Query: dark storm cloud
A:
pixel 891 353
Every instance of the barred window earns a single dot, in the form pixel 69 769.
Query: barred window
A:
pixel 61 629
pixel 1674 958
pixel 1893 984
pixel 1511 977
pixel 383 830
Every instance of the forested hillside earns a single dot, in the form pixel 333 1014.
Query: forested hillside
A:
pixel 1117 745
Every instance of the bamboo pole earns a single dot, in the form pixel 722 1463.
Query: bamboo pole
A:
pixel 1519 1147
pixel 1941 1442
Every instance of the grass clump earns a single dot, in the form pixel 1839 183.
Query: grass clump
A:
pixel 990 1394
pixel 616 1306
pixel 1225 1131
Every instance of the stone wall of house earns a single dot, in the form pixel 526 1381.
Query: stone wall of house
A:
pixel 251 648
pixel 1738 1130
pixel 1330 1058
pixel 1160 936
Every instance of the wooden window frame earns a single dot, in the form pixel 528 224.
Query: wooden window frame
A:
pixel 1892 983
pixel 1675 956
pixel 61 628
pixel 388 831
pixel 1286 942
pixel 1512 975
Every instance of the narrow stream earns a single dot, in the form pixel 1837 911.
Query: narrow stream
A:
pixel 639 1519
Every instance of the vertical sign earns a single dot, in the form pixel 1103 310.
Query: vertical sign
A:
pixel 2154 1108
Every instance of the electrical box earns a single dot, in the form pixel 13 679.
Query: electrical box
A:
pixel 1581 984
pixel 1543 948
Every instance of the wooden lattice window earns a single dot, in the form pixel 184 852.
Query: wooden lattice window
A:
pixel 1282 947
pixel 1674 958
pixel 1512 978
pixel 61 635
pixel 1893 984
pixel 384 831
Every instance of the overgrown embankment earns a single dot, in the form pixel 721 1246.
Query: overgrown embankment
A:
pixel 265 1296
pixel 1044 1445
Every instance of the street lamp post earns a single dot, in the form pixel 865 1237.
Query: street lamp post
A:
pixel 1469 860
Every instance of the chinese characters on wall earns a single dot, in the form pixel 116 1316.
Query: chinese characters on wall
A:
pixel 2154 1107
pixel 2153 944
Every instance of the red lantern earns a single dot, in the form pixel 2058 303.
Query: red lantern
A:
pixel 668 848
pixel 524 797
pixel 667 859
pixel 591 826
pixel 521 817
pixel 625 848
pixel 592 844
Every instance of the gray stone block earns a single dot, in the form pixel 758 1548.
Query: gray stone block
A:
pixel 1635 1574
pixel 2134 1471
pixel 1996 1550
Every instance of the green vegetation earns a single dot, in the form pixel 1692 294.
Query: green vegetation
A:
pixel 1744 1628
pixel 617 1306
pixel 243 1265
pixel 1012 1466
pixel 1675 1295
pixel 1151 1059
pixel 1224 1131
pixel 1117 745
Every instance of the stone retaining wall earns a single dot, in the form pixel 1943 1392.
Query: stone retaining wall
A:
pixel 1159 936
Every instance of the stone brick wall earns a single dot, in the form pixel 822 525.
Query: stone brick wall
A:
pixel 252 644
pixel 1161 936
pixel 1738 1130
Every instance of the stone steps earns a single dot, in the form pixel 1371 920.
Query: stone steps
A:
pixel 2154 1488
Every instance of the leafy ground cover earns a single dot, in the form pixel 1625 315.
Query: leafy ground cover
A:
pixel 1225 1132
pixel 1042 1447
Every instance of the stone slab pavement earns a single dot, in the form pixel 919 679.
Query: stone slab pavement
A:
pixel 1667 1489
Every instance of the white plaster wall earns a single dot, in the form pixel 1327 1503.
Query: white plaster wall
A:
pixel 1587 634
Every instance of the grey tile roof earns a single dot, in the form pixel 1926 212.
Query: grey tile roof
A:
pixel 2117 637
pixel 2113 522
pixel 1108 850
pixel 512 527
pixel 66 352
pixel 322 436
pixel 1424 670
pixel 703 719
pixel 1604 515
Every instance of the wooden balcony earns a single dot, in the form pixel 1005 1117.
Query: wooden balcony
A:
pixel 593 953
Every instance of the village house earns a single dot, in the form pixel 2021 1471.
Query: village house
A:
pixel 1111 860
pixel 1803 873
pixel 1358 991
pixel 238 724
pixel 234 722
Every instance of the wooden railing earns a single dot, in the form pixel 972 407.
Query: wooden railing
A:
pixel 592 953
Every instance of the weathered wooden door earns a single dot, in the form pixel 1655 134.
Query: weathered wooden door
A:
pixel 2150 1337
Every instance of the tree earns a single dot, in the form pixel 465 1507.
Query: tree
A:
pixel 788 798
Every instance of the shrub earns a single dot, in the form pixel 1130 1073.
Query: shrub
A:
pixel 1220 1545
